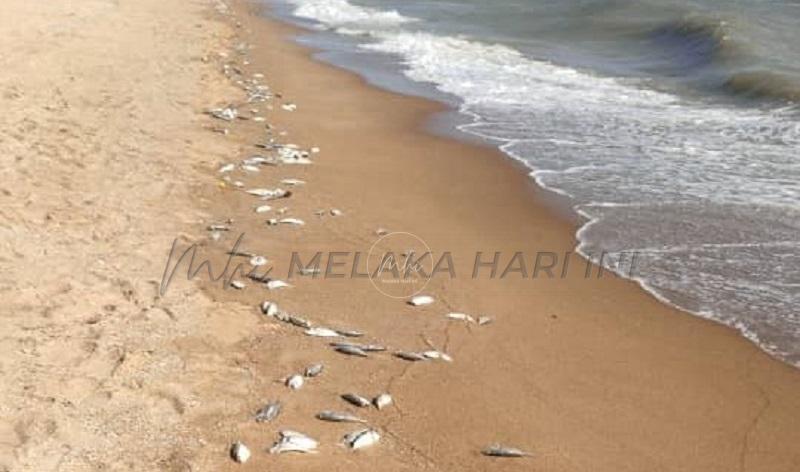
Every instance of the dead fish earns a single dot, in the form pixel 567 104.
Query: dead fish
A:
pixel 484 320
pixel 299 322
pixel 226 114
pixel 410 356
pixel 292 441
pixel 276 284
pixel 382 401
pixel 227 168
pixel 237 284
pixel 362 438
pixel 314 150
pixel 381 231
pixel 218 227
pixel 350 350
pixel 295 382
pixel 250 168
pixel 239 452
pixel 437 355
pixel 336 212
pixel 348 333
pixel 313 370
pixel 289 107
pixel 497 450
pixel 339 417
pixel 356 400
pixel 321 332
pixel 421 300
pixel 292 221
pixel 269 412
pixel 293 182
pixel 363 347
pixel 263 208
pixel 258 261
pixel 269 193
pixel 461 317
pixel 269 308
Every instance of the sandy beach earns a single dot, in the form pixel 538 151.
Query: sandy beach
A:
pixel 110 158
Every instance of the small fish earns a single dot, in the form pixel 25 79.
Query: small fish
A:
pixel 437 355
pixel 497 450
pixel 218 227
pixel 356 400
pixel 382 401
pixel 310 271
pixel 277 284
pixel 362 438
pixel 339 417
pixel 295 382
pixel 262 208
pixel 349 333
pixel 289 107
pixel 227 168
pixel 269 412
pixel 461 317
pixel 350 350
pixel 321 332
pixel 293 182
pixel 421 300
pixel 227 114
pixel 269 308
pixel 250 168
pixel 292 441
pixel 239 452
pixel 237 284
pixel 313 370
pixel 410 356
pixel 269 194
pixel 484 320
pixel 336 212
pixel 292 221
pixel 299 322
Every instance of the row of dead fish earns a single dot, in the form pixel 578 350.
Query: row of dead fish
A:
pixel 290 440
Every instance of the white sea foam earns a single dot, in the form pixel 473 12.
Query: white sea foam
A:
pixel 340 14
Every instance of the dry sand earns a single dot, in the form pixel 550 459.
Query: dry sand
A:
pixel 107 160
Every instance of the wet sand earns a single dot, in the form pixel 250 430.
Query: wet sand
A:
pixel 104 373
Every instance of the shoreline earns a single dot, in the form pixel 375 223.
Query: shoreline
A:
pixel 608 378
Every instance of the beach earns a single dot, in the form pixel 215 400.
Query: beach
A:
pixel 112 164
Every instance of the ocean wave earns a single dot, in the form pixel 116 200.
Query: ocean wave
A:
pixel 341 13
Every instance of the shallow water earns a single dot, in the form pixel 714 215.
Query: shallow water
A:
pixel 670 125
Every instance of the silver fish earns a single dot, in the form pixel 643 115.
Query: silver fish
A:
pixel 269 412
pixel 313 370
pixel 321 332
pixel 362 438
pixel 295 382
pixel 497 450
pixel 349 333
pixel 363 347
pixel 382 401
pixel 484 320
pixel 350 350
pixel 292 441
pixel 269 308
pixel 299 322
pixel 339 417
pixel 239 452
pixel 410 356
pixel 356 400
